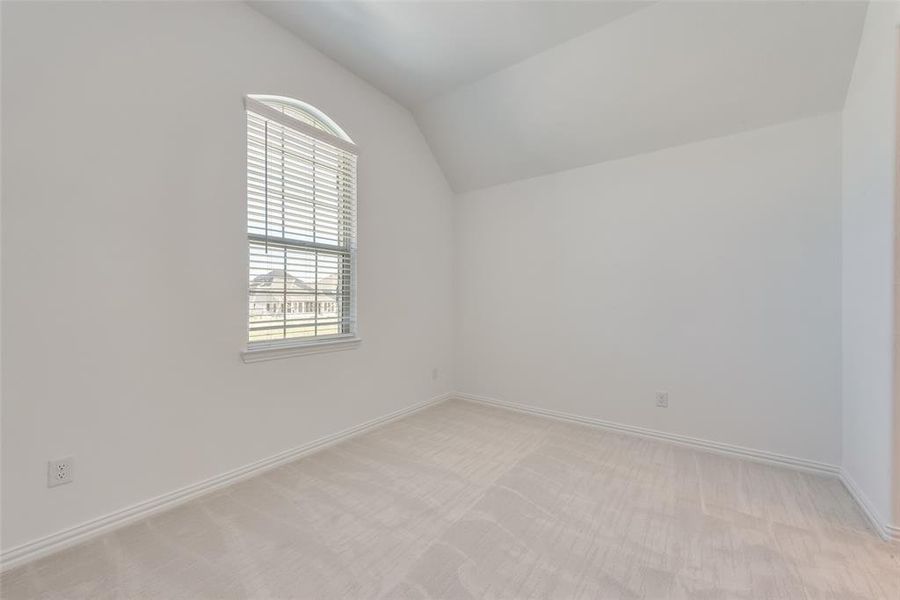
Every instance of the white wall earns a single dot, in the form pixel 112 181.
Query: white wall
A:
pixel 868 269
pixel 124 256
pixel 710 270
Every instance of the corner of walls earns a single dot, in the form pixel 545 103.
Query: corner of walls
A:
pixel 870 422
pixel 625 229
pixel 892 524
pixel 896 270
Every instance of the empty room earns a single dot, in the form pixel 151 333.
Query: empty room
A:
pixel 449 300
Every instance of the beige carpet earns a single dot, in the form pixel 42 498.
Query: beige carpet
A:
pixel 467 501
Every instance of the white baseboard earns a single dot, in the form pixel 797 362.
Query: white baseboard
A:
pixel 893 533
pixel 90 529
pixel 802 464
pixel 93 528
pixel 884 529
pixel 888 532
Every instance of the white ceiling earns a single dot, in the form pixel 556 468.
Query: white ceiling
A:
pixel 417 50
pixel 510 90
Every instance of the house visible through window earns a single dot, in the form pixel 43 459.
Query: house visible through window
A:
pixel 301 224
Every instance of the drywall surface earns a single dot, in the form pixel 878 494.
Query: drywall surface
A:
pixel 125 259
pixel 711 271
pixel 666 75
pixel 868 269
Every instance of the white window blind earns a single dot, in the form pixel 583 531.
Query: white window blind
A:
pixel 301 225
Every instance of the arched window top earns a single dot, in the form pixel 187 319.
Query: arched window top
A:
pixel 304 112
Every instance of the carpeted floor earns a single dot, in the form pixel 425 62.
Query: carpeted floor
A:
pixel 467 501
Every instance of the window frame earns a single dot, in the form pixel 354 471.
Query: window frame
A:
pixel 328 132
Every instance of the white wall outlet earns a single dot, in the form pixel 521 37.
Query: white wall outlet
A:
pixel 662 399
pixel 434 374
pixel 60 471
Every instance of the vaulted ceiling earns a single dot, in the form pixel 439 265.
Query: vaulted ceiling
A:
pixel 510 90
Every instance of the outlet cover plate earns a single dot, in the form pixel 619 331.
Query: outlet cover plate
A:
pixel 60 471
pixel 662 399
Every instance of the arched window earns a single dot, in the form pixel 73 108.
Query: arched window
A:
pixel 301 223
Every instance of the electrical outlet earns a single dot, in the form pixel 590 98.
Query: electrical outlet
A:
pixel 662 399
pixel 60 471
pixel 434 374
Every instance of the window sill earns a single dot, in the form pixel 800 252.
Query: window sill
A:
pixel 299 349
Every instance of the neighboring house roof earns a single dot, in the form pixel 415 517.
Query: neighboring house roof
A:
pixel 275 279
pixel 273 283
